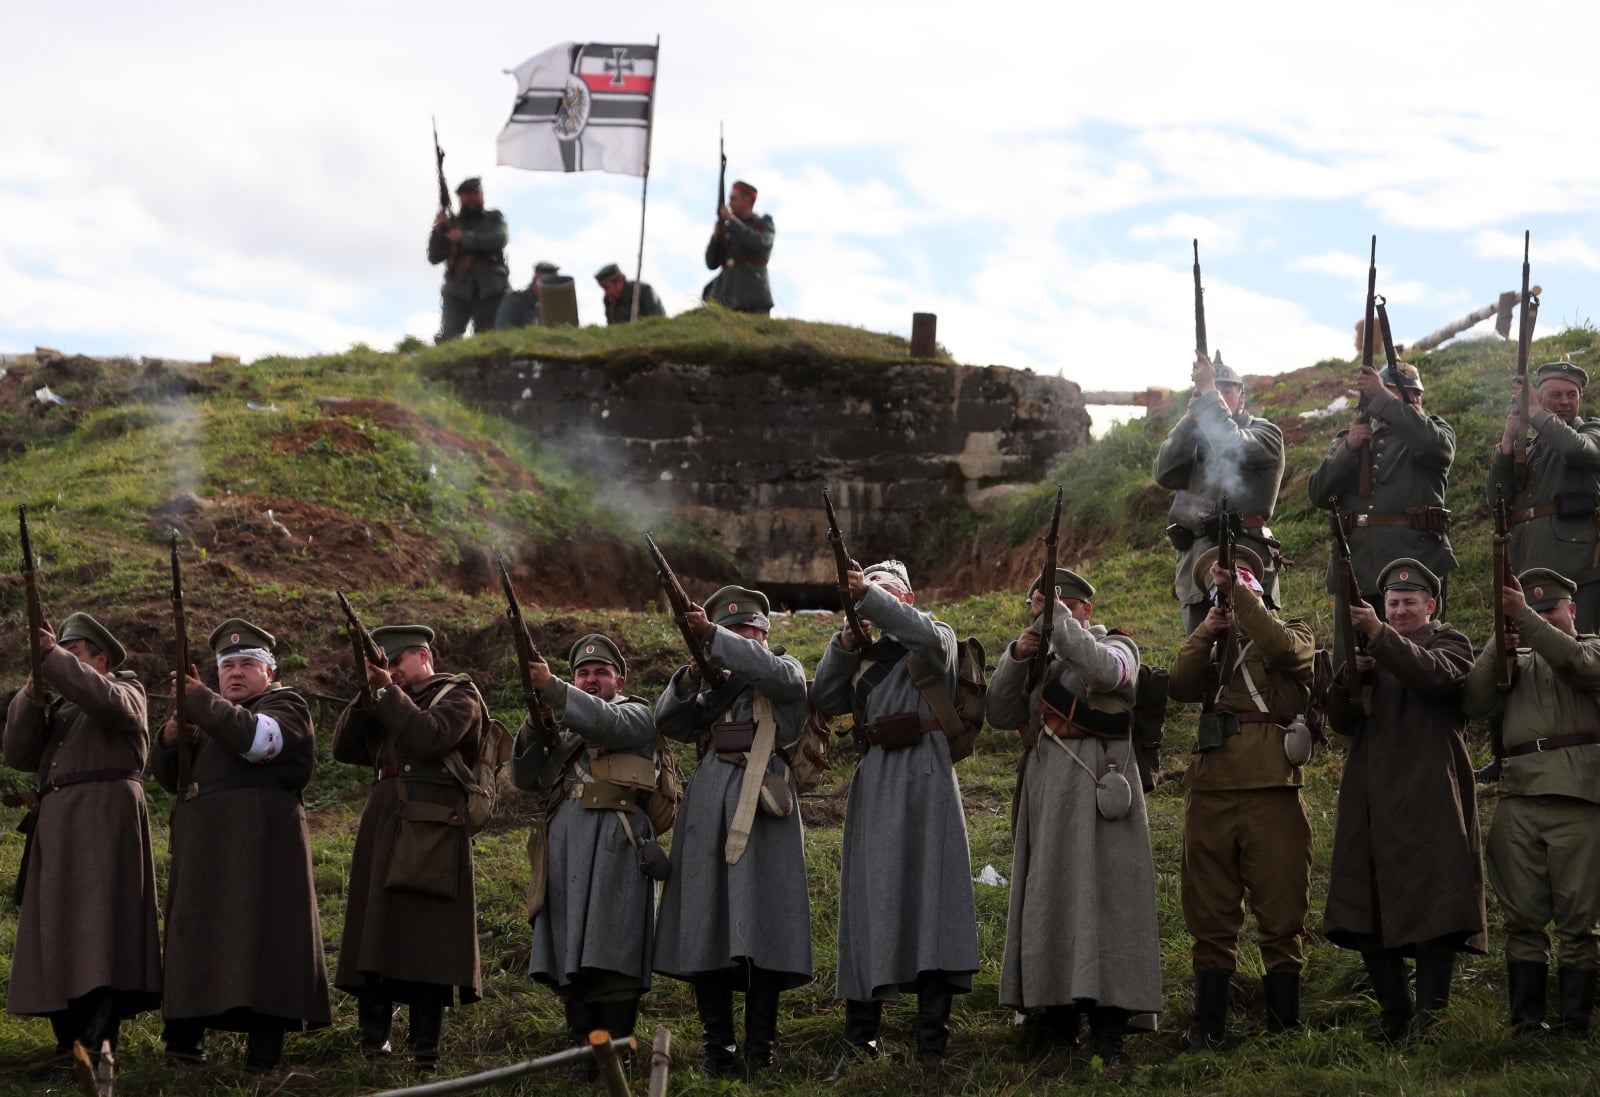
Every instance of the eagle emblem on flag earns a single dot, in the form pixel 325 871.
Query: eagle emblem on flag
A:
pixel 582 106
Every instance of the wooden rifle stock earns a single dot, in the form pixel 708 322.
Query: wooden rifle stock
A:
pixel 538 716
pixel 1381 303
pixel 180 662
pixel 841 567
pixel 1199 307
pixel 1364 455
pixel 362 645
pixel 676 595
pixel 1506 657
pixel 1040 663
pixel 30 584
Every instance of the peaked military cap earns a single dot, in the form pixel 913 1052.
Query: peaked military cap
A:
pixel 1402 375
pixel 742 185
pixel 80 626
pixel 1564 370
pixel 474 185
pixel 1545 589
pixel 544 266
pixel 733 605
pixel 1243 557
pixel 237 634
pixel 1224 374
pixel 595 648
pixel 1408 574
pixel 610 270
pixel 1072 586
pixel 395 639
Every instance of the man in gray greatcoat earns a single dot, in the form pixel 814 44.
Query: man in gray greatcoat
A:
pixel 735 914
pixel 1081 935
pixel 592 930
pixel 618 296
pixel 907 921
pixel 472 246
pixel 741 245
pixel 244 937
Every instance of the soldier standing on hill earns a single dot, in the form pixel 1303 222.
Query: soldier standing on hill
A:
pixel 1554 520
pixel 907 920
pixel 1406 878
pixel 411 921
pixel 1386 477
pixel 88 950
pixel 592 929
pixel 1246 835
pixel 1218 449
pixel 736 915
pixel 244 940
pixel 739 249
pixel 1543 859
pixel 1081 936
pixel 471 245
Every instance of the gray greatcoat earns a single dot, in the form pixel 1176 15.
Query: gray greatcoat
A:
pixel 594 931
pixel 1082 920
pixel 404 937
pixel 740 257
pixel 905 901
pixel 715 915
pixel 1406 867
pixel 243 929
pixel 88 916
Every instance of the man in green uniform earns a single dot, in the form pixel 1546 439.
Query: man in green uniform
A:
pixel 739 249
pixel 1554 521
pixel 520 308
pixel 1218 449
pixel 471 245
pixel 1246 835
pixel 1543 860
pixel 619 296
pixel 1385 475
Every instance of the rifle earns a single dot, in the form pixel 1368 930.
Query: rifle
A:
pixel 1364 456
pixel 1040 662
pixel 841 565
pixel 1381 304
pixel 444 196
pixel 1345 594
pixel 1530 305
pixel 722 193
pixel 362 644
pixel 1227 647
pixel 180 660
pixel 1506 657
pixel 1199 307
pixel 543 729
pixel 30 583
pixel 680 610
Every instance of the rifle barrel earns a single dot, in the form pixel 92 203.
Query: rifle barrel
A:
pixel 841 567
pixel 1200 343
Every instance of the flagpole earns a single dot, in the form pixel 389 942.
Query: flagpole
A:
pixel 644 186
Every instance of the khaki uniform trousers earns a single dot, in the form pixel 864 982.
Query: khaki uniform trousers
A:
pixel 1246 845
pixel 1544 865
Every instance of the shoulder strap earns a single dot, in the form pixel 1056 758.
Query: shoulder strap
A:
pixel 755 771
pixel 931 684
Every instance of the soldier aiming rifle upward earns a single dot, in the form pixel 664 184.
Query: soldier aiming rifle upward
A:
pixel 471 245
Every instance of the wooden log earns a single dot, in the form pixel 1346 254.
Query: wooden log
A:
pixel 660 1062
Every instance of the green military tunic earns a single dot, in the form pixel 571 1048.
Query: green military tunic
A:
pixel 1411 455
pixel 1564 463
pixel 741 255
pixel 475 273
pixel 1543 860
pixel 620 311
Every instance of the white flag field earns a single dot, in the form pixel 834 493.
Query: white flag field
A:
pixel 582 106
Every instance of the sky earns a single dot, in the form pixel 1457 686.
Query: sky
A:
pixel 180 179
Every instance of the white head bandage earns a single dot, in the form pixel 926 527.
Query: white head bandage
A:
pixel 260 655
pixel 890 574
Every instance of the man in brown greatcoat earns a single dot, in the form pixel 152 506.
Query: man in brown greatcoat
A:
pixel 1406 877
pixel 88 951
pixel 410 929
pixel 244 940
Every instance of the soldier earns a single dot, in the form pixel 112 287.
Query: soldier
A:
pixel 619 296
pixel 472 247
pixel 1218 449
pixel 244 940
pixel 1394 505
pixel 592 932
pixel 88 953
pixel 1081 935
pixel 739 249
pixel 1553 517
pixel 1542 857
pixel 735 915
pixel 907 921
pixel 1406 878
pixel 1246 835
pixel 411 921
pixel 520 308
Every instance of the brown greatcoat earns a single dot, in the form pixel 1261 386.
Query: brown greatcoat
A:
pixel 88 915
pixel 1406 867
pixel 243 929
pixel 403 937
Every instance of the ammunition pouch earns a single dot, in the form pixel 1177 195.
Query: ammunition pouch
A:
pixel 733 736
pixel 426 855
pixel 601 795
pixel 899 730
pixel 1213 728
pixel 1574 504
pixel 1182 537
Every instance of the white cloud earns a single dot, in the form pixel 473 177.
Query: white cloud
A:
pixel 1213 236
pixel 1566 251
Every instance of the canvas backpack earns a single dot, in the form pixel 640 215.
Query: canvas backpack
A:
pixel 482 781
pixel 662 803
pixel 960 717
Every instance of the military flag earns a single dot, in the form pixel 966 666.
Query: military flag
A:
pixel 582 106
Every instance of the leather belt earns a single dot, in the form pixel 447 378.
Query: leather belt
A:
pixel 83 776
pixel 1528 514
pixel 1554 742
pixel 744 263
pixel 1421 519
pixel 1263 718
pixel 924 727
pixel 388 772
pixel 1361 521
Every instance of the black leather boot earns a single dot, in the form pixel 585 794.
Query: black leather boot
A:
pixel 1048 1031
pixel 98 1019
pixel 185 1038
pixel 760 1022
pixel 618 1018
pixel 861 1023
pixel 713 997
pixel 1435 966
pixel 1525 987
pixel 374 1013
pixel 64 1025
pixel 1106 1027
pixel 1282 992
pixel 933 1021
pixel 1386 969
pixel 579 1025
pixel 427 1025
pixel 1210 1022
pixel 264 1045
pixel 1577 989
